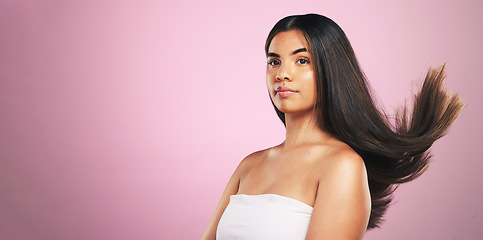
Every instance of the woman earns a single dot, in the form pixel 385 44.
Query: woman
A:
pixel 333 176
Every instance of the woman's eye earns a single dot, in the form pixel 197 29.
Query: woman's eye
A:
pixel 273 62
pixel 303 61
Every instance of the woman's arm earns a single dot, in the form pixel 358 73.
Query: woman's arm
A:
pixel 343 203
pixel 231 189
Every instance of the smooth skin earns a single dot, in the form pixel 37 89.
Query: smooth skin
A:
pixel 310 165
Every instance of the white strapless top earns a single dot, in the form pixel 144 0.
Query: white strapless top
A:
pixel 266 216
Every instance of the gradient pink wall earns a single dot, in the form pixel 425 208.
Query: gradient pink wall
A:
pixel 125 119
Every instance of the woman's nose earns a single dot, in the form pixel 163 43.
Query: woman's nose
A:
pixel 284 73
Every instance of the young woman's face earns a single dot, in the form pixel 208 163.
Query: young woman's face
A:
pixel 290 73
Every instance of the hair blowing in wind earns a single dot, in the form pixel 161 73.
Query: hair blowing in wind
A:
pixel 393 152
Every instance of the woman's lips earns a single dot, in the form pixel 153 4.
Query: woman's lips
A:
pixel 284 91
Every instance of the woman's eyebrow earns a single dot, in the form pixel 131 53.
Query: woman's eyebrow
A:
pixel 299 50
pixel 272 54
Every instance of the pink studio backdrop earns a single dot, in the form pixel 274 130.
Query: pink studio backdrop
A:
pixel 125 119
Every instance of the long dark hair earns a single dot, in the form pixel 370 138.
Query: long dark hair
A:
pixel 393 153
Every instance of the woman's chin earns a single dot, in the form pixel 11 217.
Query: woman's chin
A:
pixel 294 110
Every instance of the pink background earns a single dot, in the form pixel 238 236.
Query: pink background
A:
pixel 125 119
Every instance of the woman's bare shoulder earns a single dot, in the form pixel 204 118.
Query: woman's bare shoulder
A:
pixel 253 159
pixel 346 155
pixel 340 151
pixel 337 157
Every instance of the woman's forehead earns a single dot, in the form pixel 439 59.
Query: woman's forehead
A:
pixel 287 42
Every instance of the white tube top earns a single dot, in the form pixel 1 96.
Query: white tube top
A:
pixel 266 216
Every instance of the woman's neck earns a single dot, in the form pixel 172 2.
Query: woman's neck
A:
pixel 302 129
